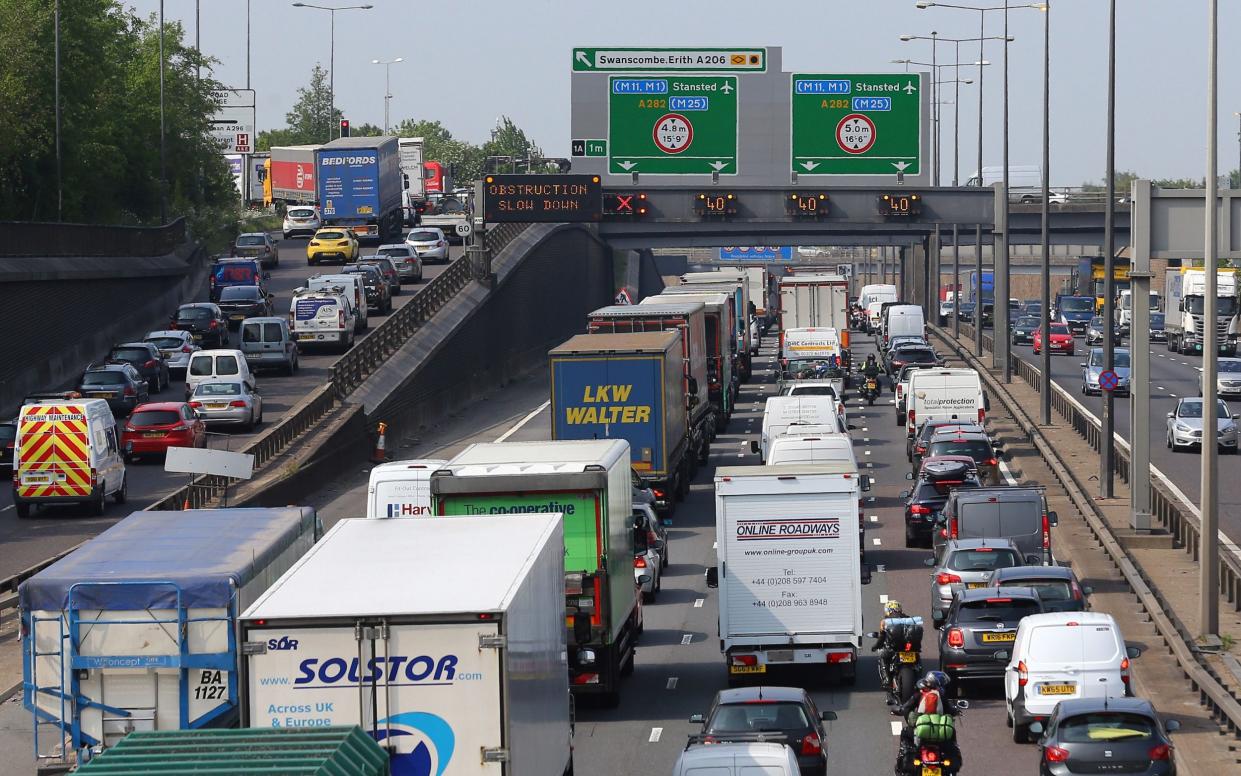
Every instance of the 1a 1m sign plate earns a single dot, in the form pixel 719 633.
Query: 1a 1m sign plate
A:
pixel 672 125
pixel 850 124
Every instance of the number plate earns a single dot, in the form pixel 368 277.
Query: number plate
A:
pixel 972 585
pixel 216 406
pixel 779 656
pixel 153 434
pixel 303 337
pixel 931 770
pixel 992 638
pixel 198 337
pixel 31 478
pixel 98 395
pixel 1067 688
pixel 908 657
pixel 758 669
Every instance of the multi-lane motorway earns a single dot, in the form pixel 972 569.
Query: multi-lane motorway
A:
pixel 50 531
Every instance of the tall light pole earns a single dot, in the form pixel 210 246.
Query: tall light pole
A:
pixel 1208 551
pixel 1238 185
pixel 387 84
pixel 1045 388
pixel 247 44
pixel 163 167
pixel 956 121
pixel 60 214
pixel 332 9
pixel 1107 443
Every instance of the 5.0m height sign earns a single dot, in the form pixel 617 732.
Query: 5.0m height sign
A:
pixel 672 125
pixel 856 124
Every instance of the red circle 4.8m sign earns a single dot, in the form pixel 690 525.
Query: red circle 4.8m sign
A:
pixel 673 133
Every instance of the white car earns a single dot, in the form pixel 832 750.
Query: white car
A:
pixel 647 565
pixel 1185 426
pixel 301 220
pixel 227 403
pixel 177 347
pixel 1227 377
pixel 429 243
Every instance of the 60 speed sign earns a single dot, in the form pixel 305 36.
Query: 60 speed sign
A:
pixel 855 133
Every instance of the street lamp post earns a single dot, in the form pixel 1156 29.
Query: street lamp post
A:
pixel 60 216
pixel 1107 446
pixel 387 84
pixel 163 167
pixel 1208 552
pixel 956 133
pixel 1045 388
pixel 332 9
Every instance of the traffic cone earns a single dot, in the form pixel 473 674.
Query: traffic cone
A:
pixel 379 454
pixel 186 505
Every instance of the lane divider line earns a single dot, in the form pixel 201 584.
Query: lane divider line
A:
pixel 672 683
pixel 883 598
pixel 1008 474
pixel 524 421
pixel 877 542
pixel 698 602
pixel 687 639
pixel 896 727
pixel 657 732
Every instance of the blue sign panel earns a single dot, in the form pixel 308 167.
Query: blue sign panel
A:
pixel 758 253
pixel 639 86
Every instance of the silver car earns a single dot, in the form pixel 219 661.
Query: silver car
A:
pixel 227 403
pixel 177 347
pixel 1092 367
pixel 429 243
pixel 403 255
pixel 1227 378
pixel 1185 426
pixel 964 564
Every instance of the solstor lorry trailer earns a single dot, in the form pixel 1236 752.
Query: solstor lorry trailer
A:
pixel 590 483
pixel 447 647
pixel 789 568
pixel 135 629
pixel 722 385
pixel 738 294
pixel 628 386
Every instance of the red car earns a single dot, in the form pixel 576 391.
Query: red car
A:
pixel 1061 340
pixel 156 426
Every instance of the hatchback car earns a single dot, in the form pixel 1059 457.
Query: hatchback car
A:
pixel 980 623
pixel 176 347
pixel 388 266
pixel 1092 367
pixel 378 295
pixel 241 302
pixel 301 220
pixel 147 359
pixel 1096 330
pixel 227 403
pixel 1061 340
pixel 1092 736
pixel 1024 328
pixel 952 441
pixel 916 445
pixel 429 243
pixel 911 353
pixel 260 246
pixel 339 245
pixel 1185 426
pixel 644 518
pixel 8 439
pixel 787 711
pixel 157 426
pixel 204 321
pixel 925 501
pixel 1057 586
pixel 408 265
pixel 1227 377
pixel 966 564
pixel 646 565
pixel 119 383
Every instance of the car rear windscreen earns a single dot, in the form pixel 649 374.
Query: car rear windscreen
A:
pixel 757 718
pixel 978 449
pixel 1047 589
pixel 1106 727
pixel 422 237
pixel 193 314
pixel 241 294
pixel 998 609
pixel 985 559
pixel 148 418
pixel 103 378
pixel 250 240
pixel 167 343
pixel 130 354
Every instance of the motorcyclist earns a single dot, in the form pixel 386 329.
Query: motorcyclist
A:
pixel 886 645
pixel 929 699
pixel 870 370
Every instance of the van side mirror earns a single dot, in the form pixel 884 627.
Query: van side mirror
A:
pixel 986 402
pixel 713 576
pixel 267 276
pixel 1033 560
pixel 754 446
pixel 1087 590
pixel 909 475
pixel 904 495
pixel 693 385
pixel 929 563
pixel 865 480
pixel 1053 518
pixel 830 716
pixel 872 634
pixel 698 719
pixel 1036 727
pixel 1133 652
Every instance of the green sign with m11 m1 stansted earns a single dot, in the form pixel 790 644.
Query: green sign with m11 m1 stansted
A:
pixel 856 124
pixel 672 125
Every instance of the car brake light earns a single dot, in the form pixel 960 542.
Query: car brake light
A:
pixel 1046 533
pixel 340 318
pixel 982 415
pixel 943 533
pixel 149 364
pixel 180 427
pixel 1055 754
pixel 909 646
pixel 659 493
pixel 129 390
pixel 1161 752
pixel 745 660
pixel 946 578
pixel 1124 670
pixel 952 527
pixel 921 448
pixel 651 537
pixel 236 403
pixel 956 638
pixel 639 562
pixel 810 745
pixel 918 509
pixel 196 404
pixel 215 324
pixel 94 477
pixel 173 325
pixel 912 417
pixel 1023 674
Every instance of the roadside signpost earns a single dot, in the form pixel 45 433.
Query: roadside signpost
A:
pixel 849 124
pixel 1108 380
pixel 672 125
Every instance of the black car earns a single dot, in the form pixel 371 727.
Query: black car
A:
pixel 1057 586
pixel 117 382
pixel 980 623
pixel 378 294
pixel 965 311
pixel 147 359
pixel 911 354
pixel 789 711
pixel 8 438
pixel 205 321
pixel 1023 330
pixel 1014 310
pixel 915 447
pixel 1157 332
pixel 925 501
pixel 987 314
pixel 1098 735
pixel 238 303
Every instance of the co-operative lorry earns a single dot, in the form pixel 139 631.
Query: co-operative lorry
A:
pixel 360 186
pixel 134 630
pixel 293 174
pixel 628 386
pixel 789 568
pixel 688 318
pixel 817 301
pixel 722 385
pixel 590 483
pixel 1183 320
pixel 733 283
pixel 442 639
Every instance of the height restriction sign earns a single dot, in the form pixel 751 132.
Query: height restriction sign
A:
pixel 851 124
pixel 672 125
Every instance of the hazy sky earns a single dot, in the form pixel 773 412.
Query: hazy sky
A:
pixel 468 62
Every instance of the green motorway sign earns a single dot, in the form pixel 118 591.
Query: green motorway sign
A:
pixel 672 125
pixel 856 124
pixel 662 60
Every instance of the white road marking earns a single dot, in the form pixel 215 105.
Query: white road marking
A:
pixel 698 602
pixel 657 732
pixel 741 455
pixel 672 683
pixel 1008 475
pixel 874 518
pixel 865 439
pixel 864 428
pixel 871 500
pixel 1160 387
pixel 877 542
pixel 896 727
pixel 883 598
pixel 865 452
pixel 524 421
pixel 880 568
pixel 687 639
pixel 715 545
pixel 6 509
pixel 869 465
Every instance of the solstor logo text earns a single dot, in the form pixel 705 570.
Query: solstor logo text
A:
pixel 336 671
pixel 282 643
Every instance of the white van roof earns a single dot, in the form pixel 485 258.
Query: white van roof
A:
pixel 1049 638
pixel 735 759
pixel 399 469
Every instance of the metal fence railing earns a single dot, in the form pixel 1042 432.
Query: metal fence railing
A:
pixel 28 238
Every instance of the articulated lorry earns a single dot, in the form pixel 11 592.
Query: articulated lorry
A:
pixel 732 282
pixel 1183 319
pixel 360 186
pixel 293 174
pixel 817 301
pixel 631 387
pixel 722 387
pixel 134 630
pixel 442 639
pixel 590 483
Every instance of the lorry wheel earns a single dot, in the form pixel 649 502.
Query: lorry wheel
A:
pixel 23 509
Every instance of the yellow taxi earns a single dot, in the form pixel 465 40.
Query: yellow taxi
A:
pixel 332 244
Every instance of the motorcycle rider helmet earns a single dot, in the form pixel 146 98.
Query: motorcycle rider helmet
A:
pixel 934 680
pixel 893 609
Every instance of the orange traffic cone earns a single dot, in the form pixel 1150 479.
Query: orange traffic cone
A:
pixel 379 454
pixel 186 505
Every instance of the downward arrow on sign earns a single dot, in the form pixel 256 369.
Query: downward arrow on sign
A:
pixel 626 165
pixel 900 166
pixel 809 165
pixel 717 166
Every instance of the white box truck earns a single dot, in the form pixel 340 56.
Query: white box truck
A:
pixel 442 639
pixel 820 301
pixel 1184 319
pixel 789 568
pixel 782 414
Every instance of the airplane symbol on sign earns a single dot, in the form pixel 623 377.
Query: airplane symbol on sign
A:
pixel 909 88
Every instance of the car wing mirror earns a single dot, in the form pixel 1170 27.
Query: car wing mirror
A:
pixel 903 495
pixel 644 579
pixel 830 716
pixel 909 475
pixel 1036 727
pixel 1087 590
pixel 1082 365
pixel 1133 652
pixel 698 719
pixel 929 563
pixel 1053 519
pixel 1033 560
pixel 963 705
pixel 1171 415
pixel 753 445
pixel 1171 725
pixel 1001 656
